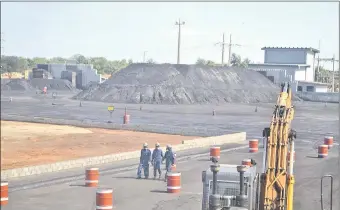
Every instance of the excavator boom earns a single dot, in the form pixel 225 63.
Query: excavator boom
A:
pixel 277 180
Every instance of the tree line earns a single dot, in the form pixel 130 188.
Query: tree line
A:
pixel 102 64
pixel 235 60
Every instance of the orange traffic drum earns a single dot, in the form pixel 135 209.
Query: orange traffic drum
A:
pixel 104 199
pixel 173 167
pixel 328 140
pixel 174 182
pixel 246 162
pixel 215 152
pixel 253 145
pixel 92 177
pixel 4 193
pixel 322 151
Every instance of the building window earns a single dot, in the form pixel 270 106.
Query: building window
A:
pixel 310 88
pixel 299 88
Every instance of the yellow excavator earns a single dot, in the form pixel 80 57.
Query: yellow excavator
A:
pixel 274 187
pixel 277 179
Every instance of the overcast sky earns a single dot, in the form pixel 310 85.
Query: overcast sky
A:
pixel 125 30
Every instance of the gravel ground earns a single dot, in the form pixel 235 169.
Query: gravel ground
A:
pixel 182 84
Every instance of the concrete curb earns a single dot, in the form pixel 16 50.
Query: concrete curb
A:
pixel 78 163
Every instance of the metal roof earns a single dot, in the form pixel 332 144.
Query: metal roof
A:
pixel 278 64
pixel 296 48
pixel 314 83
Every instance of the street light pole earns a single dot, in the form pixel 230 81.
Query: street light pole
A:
pixel 179 23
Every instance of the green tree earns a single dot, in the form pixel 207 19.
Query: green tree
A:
pixel 39 60
pixel 236 60
pixel 201 61
pixel 80 59
pixel 151 61
pixel 57 60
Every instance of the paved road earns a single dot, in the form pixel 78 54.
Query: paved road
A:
pixel 130 193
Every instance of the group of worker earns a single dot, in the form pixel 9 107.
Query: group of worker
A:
pixel 156 158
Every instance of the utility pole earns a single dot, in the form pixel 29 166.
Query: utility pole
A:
pixel 179 23
pixel 230 44
pixel 333 69
pixel 333 78
pixel 2 44
pixel 319 58
pixel 144 56
pixel 222 45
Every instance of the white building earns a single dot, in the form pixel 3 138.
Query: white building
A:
pixel 294 65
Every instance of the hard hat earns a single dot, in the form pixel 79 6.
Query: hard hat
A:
pixel 168 146
pixel 145 144
pixel 157 144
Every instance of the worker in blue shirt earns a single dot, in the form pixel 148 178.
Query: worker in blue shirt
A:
pixel 144 160
pixel 157 156
pixel 169 158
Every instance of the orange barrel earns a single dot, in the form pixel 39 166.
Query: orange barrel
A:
pixel 215 152
pixel 104 199
pixel 174 182
pixel 288 156
pixel 322 151
pixel 4 193
pixel 91 177
pixel 246 162
pixel 253 145
pixel 126 119
pixel 173 168
pixel 328 140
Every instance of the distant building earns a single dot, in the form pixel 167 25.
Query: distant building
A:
pixel 85 73
pixel 294 65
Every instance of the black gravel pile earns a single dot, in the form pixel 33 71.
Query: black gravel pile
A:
pixel 52 84
pixel 182 84
pixel 16 85
pixel 36 84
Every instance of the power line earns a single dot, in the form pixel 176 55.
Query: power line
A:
pixel 230 44
pixel 179 23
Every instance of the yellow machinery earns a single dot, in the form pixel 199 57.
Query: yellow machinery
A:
pixel 277 179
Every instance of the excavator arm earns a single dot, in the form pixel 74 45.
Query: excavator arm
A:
pixel 277 180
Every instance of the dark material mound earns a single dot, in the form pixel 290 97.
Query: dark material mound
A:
pixel 52 84
pixel 16 84
pixel 36 84
pixel 182 84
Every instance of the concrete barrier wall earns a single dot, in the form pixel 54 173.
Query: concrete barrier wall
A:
pixel 59 166
pixel 319 97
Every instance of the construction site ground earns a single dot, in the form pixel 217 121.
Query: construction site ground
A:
pixel 65 190
pixel 26 144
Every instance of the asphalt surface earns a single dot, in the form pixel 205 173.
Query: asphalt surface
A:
pixel 130 193
pixel 312 122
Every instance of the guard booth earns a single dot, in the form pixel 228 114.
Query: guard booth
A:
pixel 228 184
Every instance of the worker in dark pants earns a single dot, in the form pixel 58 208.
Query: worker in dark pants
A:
pixel 157 156
pixel 169 158
pixel 144 160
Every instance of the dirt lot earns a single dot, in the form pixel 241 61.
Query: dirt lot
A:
pixel 26 144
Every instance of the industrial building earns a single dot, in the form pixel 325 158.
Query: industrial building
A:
pixel 80 75
pixel 294 65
